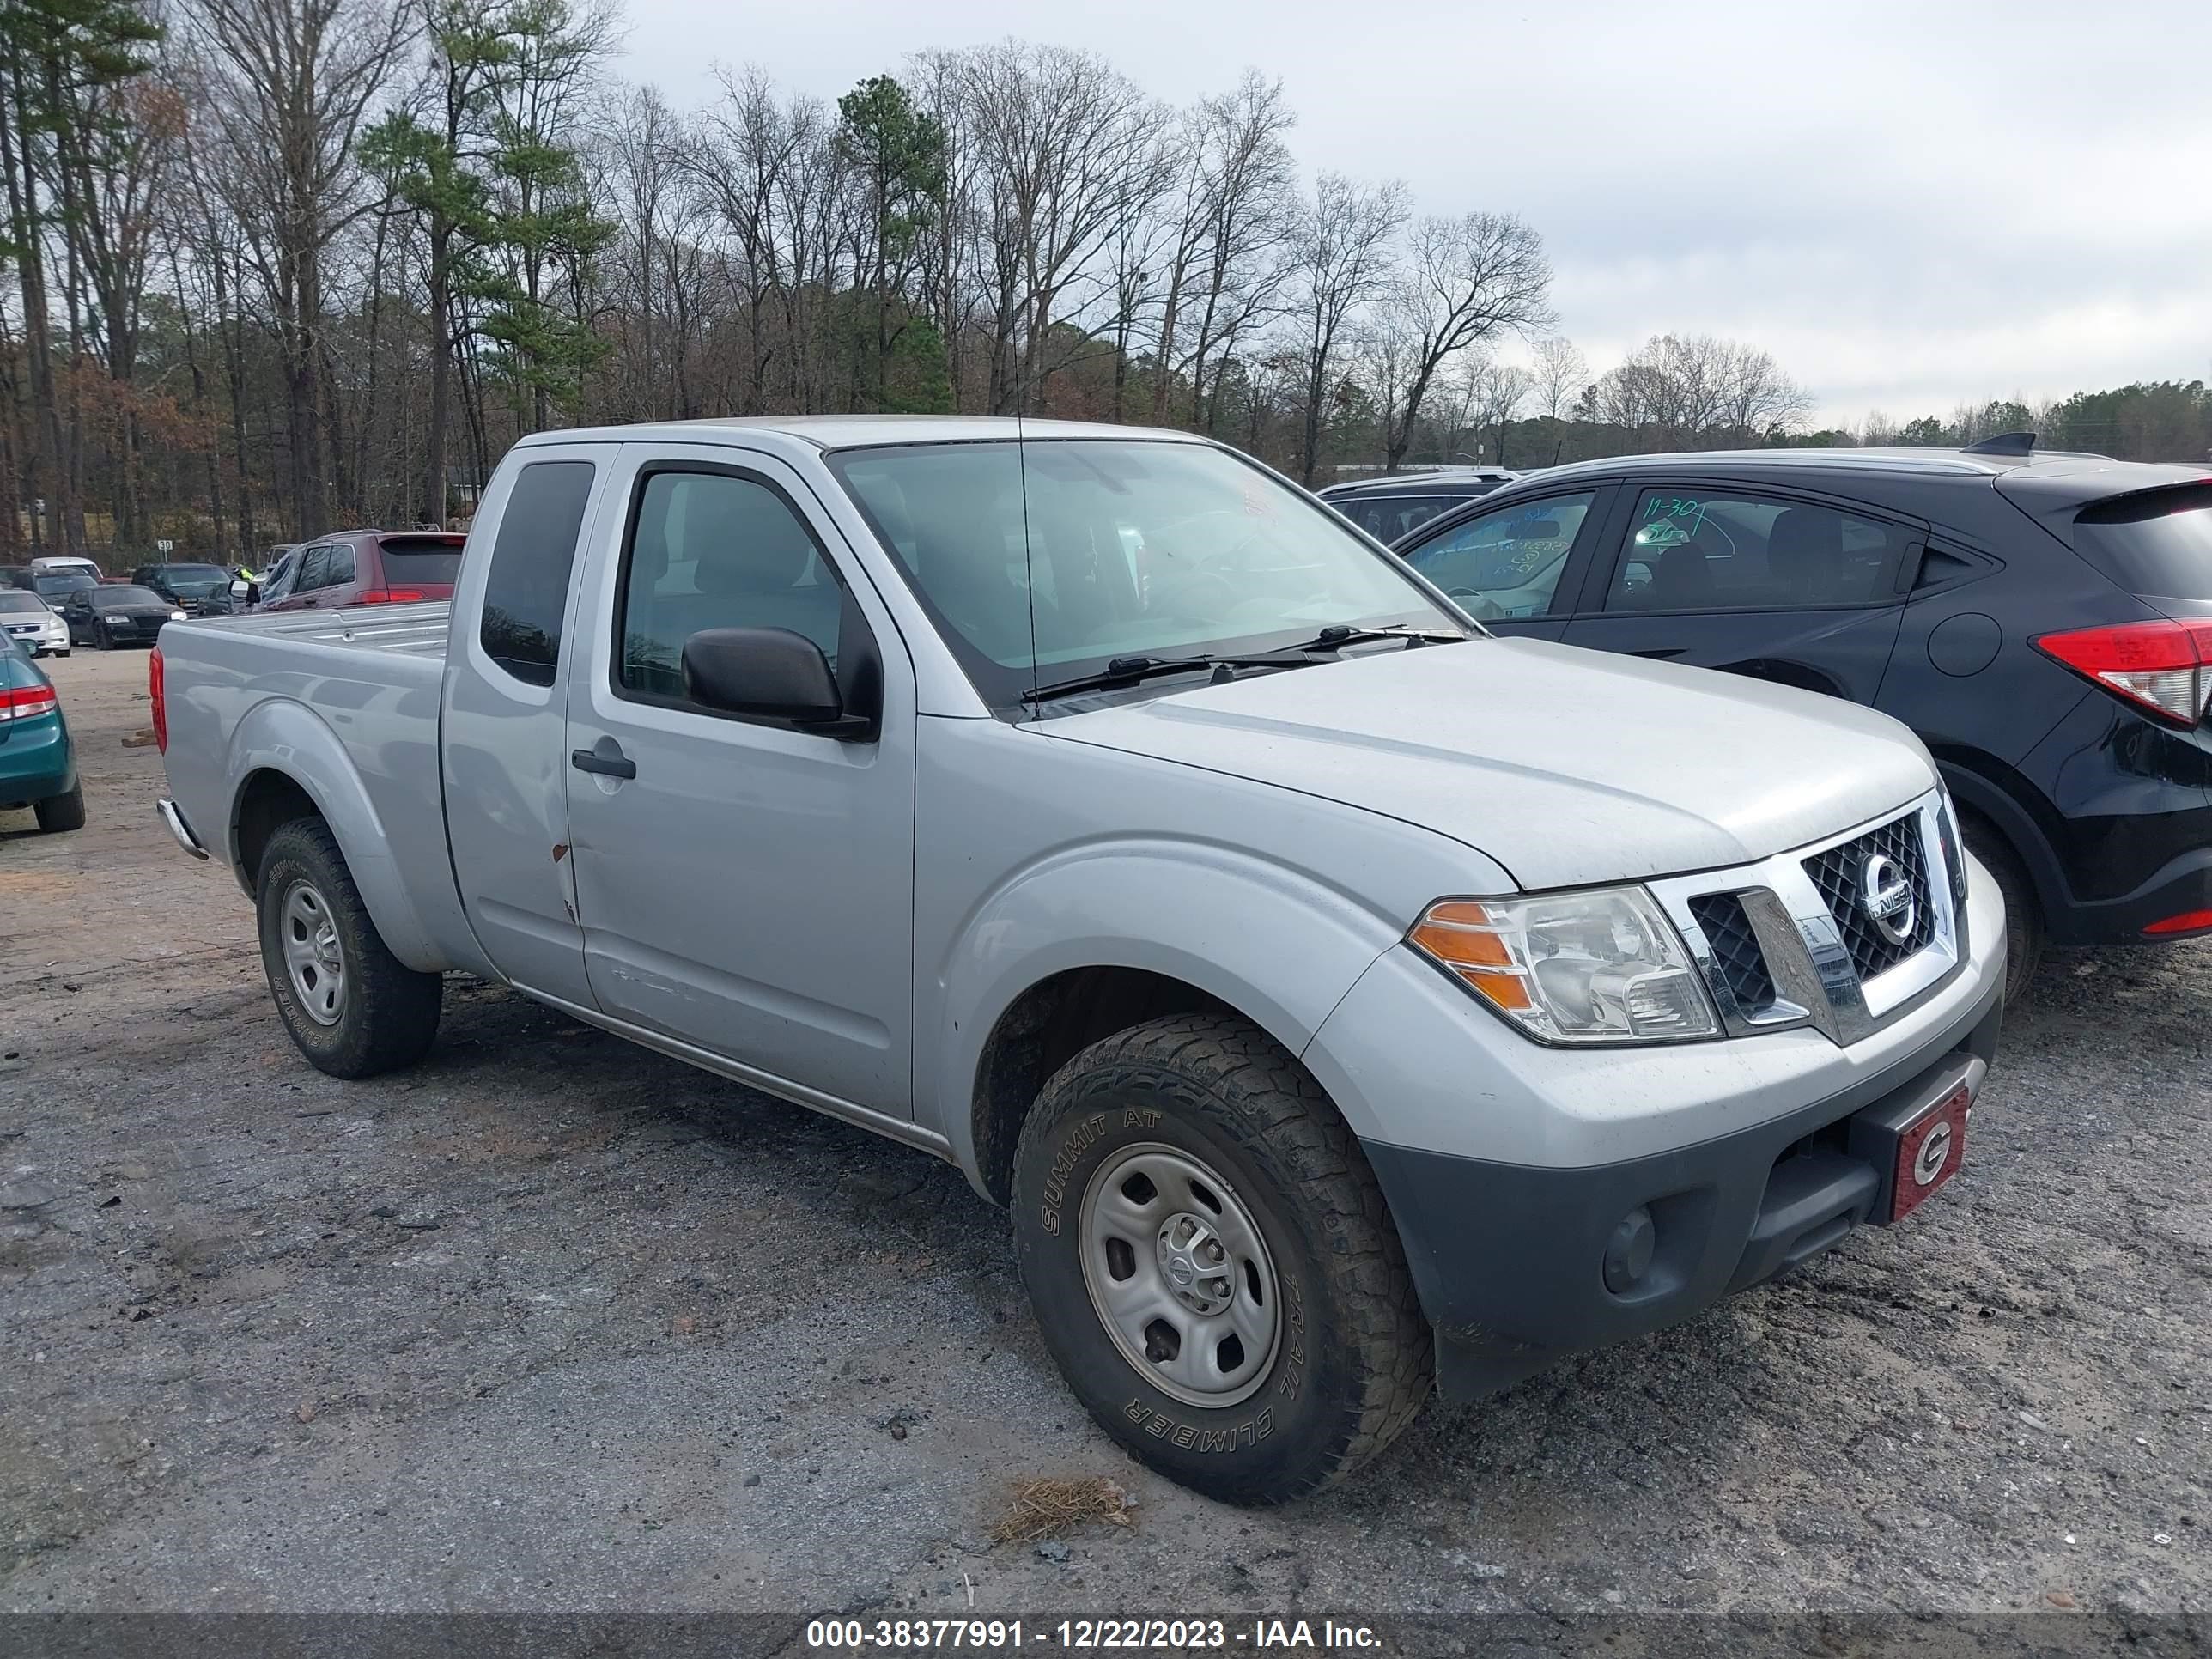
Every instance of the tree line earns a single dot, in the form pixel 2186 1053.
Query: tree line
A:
pixel 272 267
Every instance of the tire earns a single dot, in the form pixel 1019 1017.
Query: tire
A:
pixel 101 639
pixel 2023 914
pixel 1239 1135
pixel 379 1014
pixel 61 812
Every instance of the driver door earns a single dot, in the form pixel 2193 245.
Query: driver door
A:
pixel 1518 567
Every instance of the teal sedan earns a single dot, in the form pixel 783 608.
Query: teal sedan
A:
pixel 38 765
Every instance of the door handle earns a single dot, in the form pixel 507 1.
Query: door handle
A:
pixel 616 765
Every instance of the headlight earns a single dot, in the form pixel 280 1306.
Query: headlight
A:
pixel 1599 965
pixel 116 619
pixel 177 616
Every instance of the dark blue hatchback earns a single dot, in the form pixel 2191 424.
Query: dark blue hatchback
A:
pixel 2042 621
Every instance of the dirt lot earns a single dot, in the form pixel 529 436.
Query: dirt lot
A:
pixel 552 1323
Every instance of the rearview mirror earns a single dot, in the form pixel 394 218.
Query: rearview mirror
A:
pixel 771 673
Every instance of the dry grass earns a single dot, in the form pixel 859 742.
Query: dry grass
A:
pixel 1051 1509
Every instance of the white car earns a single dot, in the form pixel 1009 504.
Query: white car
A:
pixel 28 618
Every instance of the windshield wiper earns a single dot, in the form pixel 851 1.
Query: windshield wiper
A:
pixel 1128 671
pixel 1335 638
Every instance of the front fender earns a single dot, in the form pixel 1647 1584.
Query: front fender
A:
pixel 278 735
pixel 1274 944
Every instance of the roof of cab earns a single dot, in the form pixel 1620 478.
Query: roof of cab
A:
pixel 828 432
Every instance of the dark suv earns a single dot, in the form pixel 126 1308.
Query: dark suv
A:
pixel 1392 506
pixel 2043 622
pixel 368 567
pixel 199 589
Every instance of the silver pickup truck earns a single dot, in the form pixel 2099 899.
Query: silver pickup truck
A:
pixel 1343 1000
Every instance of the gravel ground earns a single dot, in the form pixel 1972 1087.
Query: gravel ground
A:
pixel 551 1323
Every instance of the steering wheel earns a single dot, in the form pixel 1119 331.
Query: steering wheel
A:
pixel 1480 606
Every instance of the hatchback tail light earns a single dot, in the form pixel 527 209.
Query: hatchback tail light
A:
pixel 156 691
pixel 2164 667
pixel 22 701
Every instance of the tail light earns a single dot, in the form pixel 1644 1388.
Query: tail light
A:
pixel 156 690
pixel 2164 667
pixel 20 703
pixel 389 596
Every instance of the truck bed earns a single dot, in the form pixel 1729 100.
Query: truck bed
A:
pixel 408 630
pixel 345 704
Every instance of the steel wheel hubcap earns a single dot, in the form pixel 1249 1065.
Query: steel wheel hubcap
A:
pixel 312 956
pixel 1179 1275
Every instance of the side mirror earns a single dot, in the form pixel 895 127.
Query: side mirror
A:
pixel 772 672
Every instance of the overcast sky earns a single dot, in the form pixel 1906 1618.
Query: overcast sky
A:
pixel 1917 206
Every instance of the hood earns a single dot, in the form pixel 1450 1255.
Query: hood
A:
pixel 1565 766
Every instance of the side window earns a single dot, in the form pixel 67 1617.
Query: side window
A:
pixel 314 570
pixel 340 571
pixel 708 550
pixel 1727 551
pixel 527 589
pixel 1386 518
pixel 1505 564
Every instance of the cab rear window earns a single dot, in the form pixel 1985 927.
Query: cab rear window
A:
pixel 2157 543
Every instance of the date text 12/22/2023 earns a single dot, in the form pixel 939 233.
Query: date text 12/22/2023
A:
pixel 1088 1635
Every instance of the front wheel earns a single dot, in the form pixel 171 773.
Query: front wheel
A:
pixel 102 639
pixel 1212 1265
pixel 353 1007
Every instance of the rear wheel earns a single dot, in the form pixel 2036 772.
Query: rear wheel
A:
pixel 2023 915
pixel 353 1007
pixel 1212 1265
pixel 58 812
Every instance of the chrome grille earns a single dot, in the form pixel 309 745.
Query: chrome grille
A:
pixel 1837 874
pixel 1737 961
pixel 1788 941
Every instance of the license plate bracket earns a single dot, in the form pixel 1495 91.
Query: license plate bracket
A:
pixel 1917 1144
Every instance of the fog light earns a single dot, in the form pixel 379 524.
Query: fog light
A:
pixel 1628 1252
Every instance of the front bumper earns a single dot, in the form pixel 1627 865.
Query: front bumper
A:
pixel 1508 1166
pixel 1509 1260
pixel 53 637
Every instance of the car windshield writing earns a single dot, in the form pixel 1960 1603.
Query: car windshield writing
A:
pixel 1048 560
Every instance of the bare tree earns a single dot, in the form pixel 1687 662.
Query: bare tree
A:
pixel 1232 202
pixel 1561 374
pixel 1057 136
pixel 1677 392
pixel 1468 281
pixel 293 82
pixel 1341 248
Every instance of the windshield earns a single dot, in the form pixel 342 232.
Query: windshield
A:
pixel 68 582
pixel 14 599
pixel 1045 561
pixel 192 578
pixel 118 595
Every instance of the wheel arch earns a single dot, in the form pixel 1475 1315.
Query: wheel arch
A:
pixel 289 765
